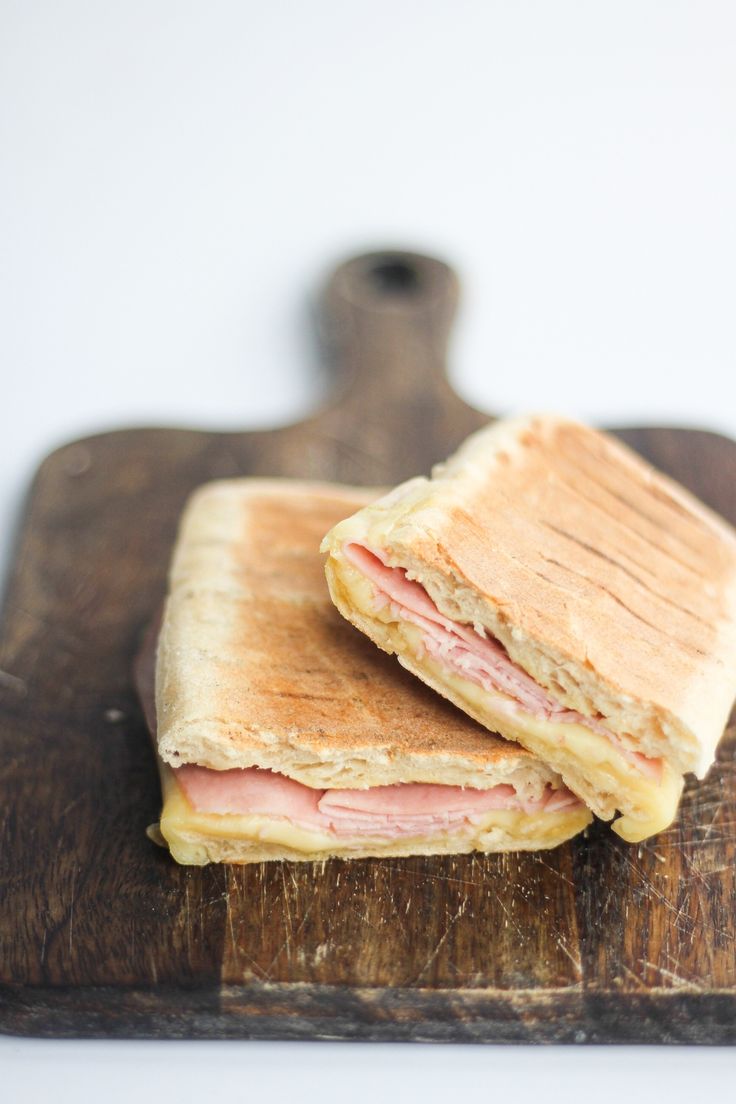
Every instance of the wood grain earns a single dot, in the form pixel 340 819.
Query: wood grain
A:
pixel 101 934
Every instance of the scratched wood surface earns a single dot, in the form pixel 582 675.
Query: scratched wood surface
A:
pixel 102 934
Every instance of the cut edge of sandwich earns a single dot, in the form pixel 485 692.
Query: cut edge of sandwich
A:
pixel 196 838
pixel 646 807
pixel 589 762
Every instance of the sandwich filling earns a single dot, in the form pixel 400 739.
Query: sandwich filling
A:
pixel 251 813
pixel 464 658
pixel 482 660
pixel 264 809
pixel 382 812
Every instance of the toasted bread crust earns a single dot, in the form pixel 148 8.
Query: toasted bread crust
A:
pixel 606 581
pixel 256 668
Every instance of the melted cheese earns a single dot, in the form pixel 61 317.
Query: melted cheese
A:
pixel 193 836
pixel 591 765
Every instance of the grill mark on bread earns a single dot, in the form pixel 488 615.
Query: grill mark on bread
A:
pixel 595 500
pixel 615 538
pixel 643 514
pixel 620 467
pixel 616 458
pixel 615 563
pixel 461 519
pixel 302 695
pixel 628 532
pixel 685 644
pixel 471 524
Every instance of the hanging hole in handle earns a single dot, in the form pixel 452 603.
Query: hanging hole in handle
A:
pixel 394 276
pixel 394 281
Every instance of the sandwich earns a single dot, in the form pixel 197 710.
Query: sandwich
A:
pixel 564 594
pixel 281 733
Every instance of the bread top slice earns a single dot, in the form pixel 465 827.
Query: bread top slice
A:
pixel 255 667
pixel 610 584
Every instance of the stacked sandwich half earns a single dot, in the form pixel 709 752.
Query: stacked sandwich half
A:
pixel 576 607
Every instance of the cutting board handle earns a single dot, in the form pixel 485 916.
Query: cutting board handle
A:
pixel 386 318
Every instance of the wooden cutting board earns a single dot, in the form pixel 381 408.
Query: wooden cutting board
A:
pixel 101 934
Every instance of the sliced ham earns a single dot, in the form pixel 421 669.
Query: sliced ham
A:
pixel 248 791
pixel 382 812
pixel 417 799
pixel 479 659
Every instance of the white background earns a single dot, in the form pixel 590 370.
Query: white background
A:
pixel 176 178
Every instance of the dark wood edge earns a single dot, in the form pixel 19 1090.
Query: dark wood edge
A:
pixel 306 1012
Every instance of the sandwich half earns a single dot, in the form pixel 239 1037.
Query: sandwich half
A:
pixel 566 595
pixel 281 733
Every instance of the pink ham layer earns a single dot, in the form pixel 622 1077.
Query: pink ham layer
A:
pixel 461 649
pixel 381 812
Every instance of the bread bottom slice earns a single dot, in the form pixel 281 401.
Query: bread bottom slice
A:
pixel 197 838
pixel 590 764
